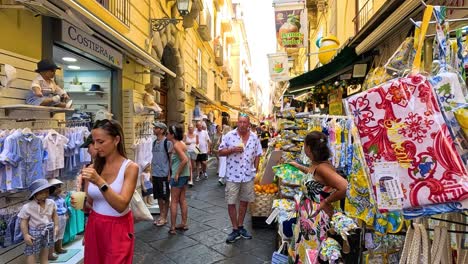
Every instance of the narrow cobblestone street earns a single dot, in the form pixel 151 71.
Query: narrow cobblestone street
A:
pixel 204 242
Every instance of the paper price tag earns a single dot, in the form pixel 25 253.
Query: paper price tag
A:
pixel 394 189
pixel 272 216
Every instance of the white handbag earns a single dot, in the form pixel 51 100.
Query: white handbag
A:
pixel 139 209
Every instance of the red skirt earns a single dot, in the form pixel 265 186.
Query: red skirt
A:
pixel 109 239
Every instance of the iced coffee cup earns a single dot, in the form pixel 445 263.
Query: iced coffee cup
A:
pixel 78 199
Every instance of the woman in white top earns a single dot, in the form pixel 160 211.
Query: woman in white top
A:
pixel 191 141
pixel 110 184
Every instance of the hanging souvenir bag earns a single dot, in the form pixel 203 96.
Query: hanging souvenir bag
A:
pixel 416 248
pixel 449 84
pixel 280 256
pixel 401 122
pixel 400 61
pixel 376 75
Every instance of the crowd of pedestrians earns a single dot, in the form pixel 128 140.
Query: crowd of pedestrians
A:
pixel 178 156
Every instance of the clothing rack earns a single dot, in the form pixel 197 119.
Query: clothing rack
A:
pixel 30 119
pixel 448 7
pixel 71 122
pixel 143 129
pixel 449 221
pixel 331 116
pixel 38 123
pixel 416 23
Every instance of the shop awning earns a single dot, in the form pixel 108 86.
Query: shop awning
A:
pixel 343 59
pixel 228 105
pixel 392 22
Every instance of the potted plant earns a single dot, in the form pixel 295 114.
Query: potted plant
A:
pixel 76 85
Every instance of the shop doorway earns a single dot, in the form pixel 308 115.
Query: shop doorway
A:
pixel 87 82
pixel 170 102
pixel 163 101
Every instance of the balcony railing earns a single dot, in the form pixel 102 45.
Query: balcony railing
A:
pixel 363 15
pixel 119 8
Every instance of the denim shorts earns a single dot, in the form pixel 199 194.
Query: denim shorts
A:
pixel 43 239
pixel 182 181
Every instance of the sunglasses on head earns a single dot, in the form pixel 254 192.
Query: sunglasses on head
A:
pixel 243 115
pixel 101 123
pixel 173 128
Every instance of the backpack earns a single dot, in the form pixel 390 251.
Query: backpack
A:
pixel 166 148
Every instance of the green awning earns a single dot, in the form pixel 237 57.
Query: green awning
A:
pixel 343 59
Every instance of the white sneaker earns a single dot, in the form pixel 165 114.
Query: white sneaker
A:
pixel 56 98
pixel 69 104
pixel 221 182
pixel 190 184
pixel 205 175
pixel 197 179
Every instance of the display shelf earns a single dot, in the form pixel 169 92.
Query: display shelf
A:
pixel 86 92
pixel 9 109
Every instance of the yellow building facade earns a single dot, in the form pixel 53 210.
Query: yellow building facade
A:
pixel 178 62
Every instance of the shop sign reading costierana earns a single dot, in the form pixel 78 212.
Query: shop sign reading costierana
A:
pixel 89 44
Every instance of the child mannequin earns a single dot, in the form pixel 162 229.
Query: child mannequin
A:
pixel 62 213
pixel 146 185
pixel 39 222
pixel 44 90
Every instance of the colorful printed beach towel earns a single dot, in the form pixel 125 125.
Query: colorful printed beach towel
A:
pixel 401 122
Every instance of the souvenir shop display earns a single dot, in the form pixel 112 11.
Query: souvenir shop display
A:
pixel 265 193
pixel 403 148
pixel 143 144
pixel 407 141
pixel 295 209
pixel 33 150
pixel 39 220
pixel 415 153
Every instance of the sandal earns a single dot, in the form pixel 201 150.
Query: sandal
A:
pixel 172 232
pixel 160 222
pixel 182 227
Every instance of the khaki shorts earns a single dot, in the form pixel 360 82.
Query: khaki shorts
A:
pixel 239 191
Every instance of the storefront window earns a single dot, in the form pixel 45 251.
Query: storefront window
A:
pixel 87 82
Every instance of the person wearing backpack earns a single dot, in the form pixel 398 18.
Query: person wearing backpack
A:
pixel 161 170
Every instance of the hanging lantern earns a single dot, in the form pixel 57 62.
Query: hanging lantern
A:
pixel 184 7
